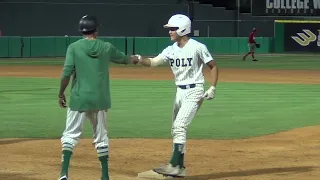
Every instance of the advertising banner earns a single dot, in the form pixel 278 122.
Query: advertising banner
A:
pixel 302 36
pixel 285 8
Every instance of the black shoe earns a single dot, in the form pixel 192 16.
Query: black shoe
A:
pixel 243 58
pixel 254 60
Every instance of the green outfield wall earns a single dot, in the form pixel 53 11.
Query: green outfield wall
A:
pixel 55 46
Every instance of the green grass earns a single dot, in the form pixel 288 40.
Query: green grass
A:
pixel 266 61
pixel 143 109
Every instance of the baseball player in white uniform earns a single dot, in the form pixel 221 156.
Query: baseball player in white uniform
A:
pixel 186 58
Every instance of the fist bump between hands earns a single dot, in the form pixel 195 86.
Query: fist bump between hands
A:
pixel 135 59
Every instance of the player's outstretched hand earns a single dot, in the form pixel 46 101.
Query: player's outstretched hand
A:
pixel 134 59
pixel 62 101
pixel 210 93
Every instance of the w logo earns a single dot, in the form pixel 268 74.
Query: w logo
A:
pixel 305 38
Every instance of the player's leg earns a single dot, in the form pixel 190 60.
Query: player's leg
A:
pixel 70 137
pixel 176 156
pixel 253 47
pixel 101 141
pixel 249 52
pixel 183 119
pixel 190 103
pixel 186 114
pixel 181 159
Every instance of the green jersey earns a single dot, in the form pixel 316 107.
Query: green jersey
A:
pixel 88 61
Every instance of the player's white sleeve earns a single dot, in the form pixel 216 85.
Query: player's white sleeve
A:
pixel 156 61
pixel 205 54
pixel 162 58
pixel 165 54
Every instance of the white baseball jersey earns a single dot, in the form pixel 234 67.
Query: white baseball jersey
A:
pixel 187 62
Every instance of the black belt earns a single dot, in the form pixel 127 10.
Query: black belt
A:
pixel 187 86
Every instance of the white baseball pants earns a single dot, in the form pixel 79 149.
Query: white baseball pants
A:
pixel 186 104
pixel 74 127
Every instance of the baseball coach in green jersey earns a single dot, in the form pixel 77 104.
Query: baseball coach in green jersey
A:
pixel 87 61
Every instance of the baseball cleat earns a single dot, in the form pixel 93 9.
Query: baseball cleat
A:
pixel 63 178
pixel 182 173
pixel 254 60
pixel 167 170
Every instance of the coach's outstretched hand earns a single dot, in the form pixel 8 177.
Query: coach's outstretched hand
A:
pixel 134 59
pixel 210 93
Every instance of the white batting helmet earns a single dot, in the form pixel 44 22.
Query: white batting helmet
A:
pixel 180 21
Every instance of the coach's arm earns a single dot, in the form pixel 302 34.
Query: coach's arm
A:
pixel 68 70
pixel 119 57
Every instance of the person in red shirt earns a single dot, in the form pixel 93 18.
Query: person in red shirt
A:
pixel 252 44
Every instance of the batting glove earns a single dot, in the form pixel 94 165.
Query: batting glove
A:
pixel 210 93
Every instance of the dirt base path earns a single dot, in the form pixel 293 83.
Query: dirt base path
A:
pixel 226 75
pixel 293 155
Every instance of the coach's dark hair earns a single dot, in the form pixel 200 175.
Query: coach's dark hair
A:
pixel 89 32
